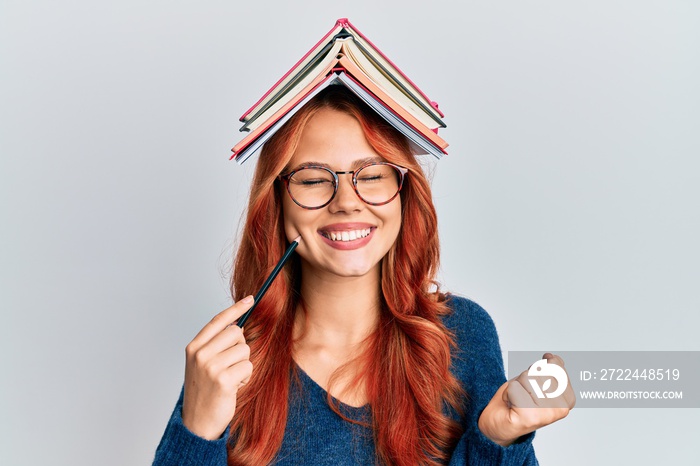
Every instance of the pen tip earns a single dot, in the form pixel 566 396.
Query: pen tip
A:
pixel 297 239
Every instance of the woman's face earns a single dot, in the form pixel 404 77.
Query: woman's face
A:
pixel 335 139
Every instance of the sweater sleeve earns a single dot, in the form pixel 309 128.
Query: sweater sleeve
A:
pixel 478 364
pixel 180 447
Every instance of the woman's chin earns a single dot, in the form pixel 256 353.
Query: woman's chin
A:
pixel 350 270
pixel 343 264
pixel 353 273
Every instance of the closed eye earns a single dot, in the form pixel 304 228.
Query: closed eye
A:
pixel 311 182
pixel 365 179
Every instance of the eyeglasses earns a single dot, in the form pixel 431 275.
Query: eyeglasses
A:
pixel 313 187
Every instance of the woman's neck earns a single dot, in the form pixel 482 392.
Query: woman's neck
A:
pixel 339 313
pixel 338 310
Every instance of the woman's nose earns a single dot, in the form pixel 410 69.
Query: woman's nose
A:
pixel 346 199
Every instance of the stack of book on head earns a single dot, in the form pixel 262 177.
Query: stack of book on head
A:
pixel 346 57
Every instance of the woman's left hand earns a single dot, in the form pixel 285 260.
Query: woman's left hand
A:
pixel 516 410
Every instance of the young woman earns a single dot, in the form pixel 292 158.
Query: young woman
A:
pixel 353 356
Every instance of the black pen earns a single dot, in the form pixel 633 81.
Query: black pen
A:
pixel 287 254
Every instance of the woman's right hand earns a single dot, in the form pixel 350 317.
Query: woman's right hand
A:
pixel 217 365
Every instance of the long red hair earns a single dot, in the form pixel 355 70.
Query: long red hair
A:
pixel 405 368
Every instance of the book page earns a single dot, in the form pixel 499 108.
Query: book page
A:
pixel 377 56
pixel 389 85
pixel 314 54
pixel 295 84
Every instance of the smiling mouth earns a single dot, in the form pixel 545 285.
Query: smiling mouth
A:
pixel 346 235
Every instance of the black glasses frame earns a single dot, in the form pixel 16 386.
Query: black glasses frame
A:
pixel 336 181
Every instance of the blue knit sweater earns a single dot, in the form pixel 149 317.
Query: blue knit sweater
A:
pixel 315 435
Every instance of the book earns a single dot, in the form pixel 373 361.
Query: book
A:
pixel 345 57
pixel 347 47
pixel 374 63
pixel 418 142
pixel 366 89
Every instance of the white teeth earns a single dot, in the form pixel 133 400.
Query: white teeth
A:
pixel 349 235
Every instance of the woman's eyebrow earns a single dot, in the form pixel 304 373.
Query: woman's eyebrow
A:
pixel 355 164
pixel 312 163
pixel 358 163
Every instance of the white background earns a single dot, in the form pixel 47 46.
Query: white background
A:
pixel 568 203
